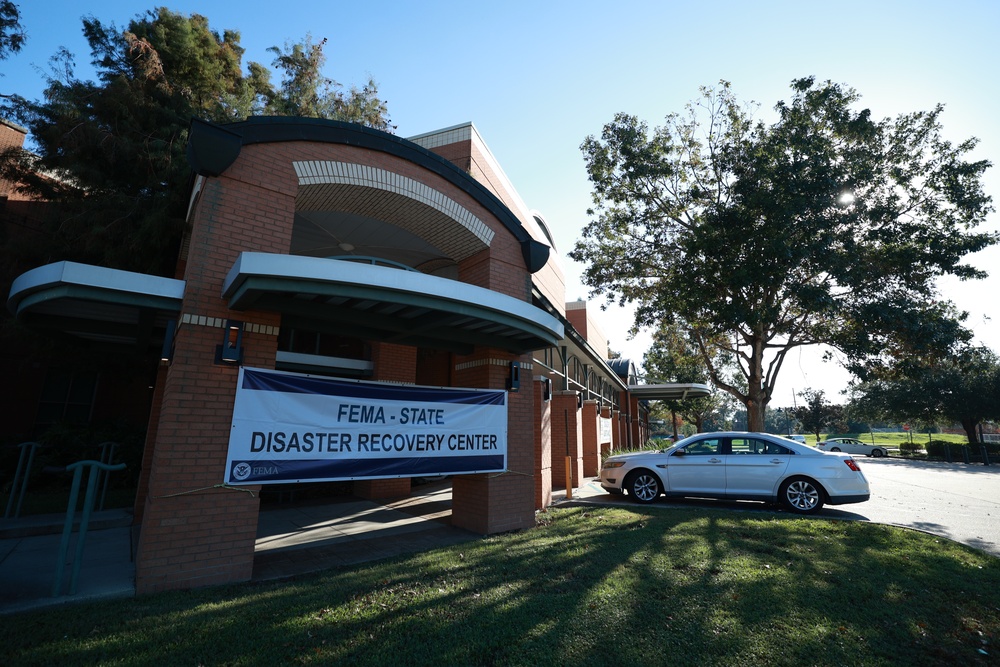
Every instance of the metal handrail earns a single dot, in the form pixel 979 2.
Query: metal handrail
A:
pixel 88 505
pixel 21 477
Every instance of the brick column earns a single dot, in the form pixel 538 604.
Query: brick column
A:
pixel 616 430
pixel 590 427
pixel 196 532
pixel 391 363
pixel 543 447
pixel 496 503
pixel 142 491
pixel 604 444
pixel 567 438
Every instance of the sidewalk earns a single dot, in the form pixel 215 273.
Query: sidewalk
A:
pixel 292 540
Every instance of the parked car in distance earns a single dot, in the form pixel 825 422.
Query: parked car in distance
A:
pixel 739 466
pixel 852 446
pixel 796 437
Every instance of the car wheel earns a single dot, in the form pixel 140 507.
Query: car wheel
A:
pixel 643 486
pixel 801 495
pixel 878 453
pixel 835 449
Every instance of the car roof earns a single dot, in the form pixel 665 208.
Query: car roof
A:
pixel 794 445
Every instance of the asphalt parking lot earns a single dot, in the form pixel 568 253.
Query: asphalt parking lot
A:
pixel 956 501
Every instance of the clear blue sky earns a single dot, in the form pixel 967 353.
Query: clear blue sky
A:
pixel 538 77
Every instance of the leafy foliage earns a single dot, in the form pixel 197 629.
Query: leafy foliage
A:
pixel 962 387
pixel 818 415
pixel 674 358
pixel 111 152
pixel 12 35
pixel 825 226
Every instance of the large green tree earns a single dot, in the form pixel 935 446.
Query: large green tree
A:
pixel 818 414
pixel 110 152
pixel 821 226
pixel 12 35
pixel 961 387
pixel 673 357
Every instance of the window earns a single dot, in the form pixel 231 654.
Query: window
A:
pixel 67 397
pixel 706 447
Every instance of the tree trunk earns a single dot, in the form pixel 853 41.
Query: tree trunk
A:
pixel 755 414
pixel 970 430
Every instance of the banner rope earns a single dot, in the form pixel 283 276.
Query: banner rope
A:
pixel 208 488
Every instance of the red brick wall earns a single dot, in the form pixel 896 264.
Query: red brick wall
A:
pixel 567 439
pixel 590 428
pixel 392 363
pixel 495 503
pixel 194 533
pixel 543 448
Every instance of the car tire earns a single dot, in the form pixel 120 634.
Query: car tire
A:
pixel 643 486
pixel 878 453
pixel 835 449
pixel 801 495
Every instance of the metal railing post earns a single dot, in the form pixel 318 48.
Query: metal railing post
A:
pixel 88 504
pixel 107 456
pixel 21 477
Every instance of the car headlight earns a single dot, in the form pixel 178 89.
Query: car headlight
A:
pixel 613 464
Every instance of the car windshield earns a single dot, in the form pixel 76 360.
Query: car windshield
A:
pixel 679 443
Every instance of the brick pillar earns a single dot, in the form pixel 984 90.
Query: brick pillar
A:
pixel 196 532
pixel 496 503
pixel 604 444
pixel 543 447
pixel 589 429
pixel 142 491
pixel 391 363
pixel 616 430
pixel 567 438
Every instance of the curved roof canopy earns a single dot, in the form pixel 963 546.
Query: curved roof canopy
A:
pixel 367 301
pixel 387 304
pixel 669 391
pixel 212 149
pixel 96 303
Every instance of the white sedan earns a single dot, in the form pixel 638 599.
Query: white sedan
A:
pixel 852 446
pixel 739 466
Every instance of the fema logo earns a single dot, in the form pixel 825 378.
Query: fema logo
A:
pixel 241 470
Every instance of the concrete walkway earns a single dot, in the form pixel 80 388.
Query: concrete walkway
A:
pixel 291 540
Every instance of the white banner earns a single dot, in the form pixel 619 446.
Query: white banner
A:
pixel 289 427
pixel 605 430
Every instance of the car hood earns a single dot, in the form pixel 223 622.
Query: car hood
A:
pixel 636 455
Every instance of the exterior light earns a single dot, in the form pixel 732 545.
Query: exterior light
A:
pixel 231 350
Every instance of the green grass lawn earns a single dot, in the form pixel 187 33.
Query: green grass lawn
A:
pixel 587 586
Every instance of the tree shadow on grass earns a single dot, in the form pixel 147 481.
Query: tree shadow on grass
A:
pixel 587 586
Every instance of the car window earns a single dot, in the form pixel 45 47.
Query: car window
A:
pixel 705 447
pixel 744 446
pixel 772 449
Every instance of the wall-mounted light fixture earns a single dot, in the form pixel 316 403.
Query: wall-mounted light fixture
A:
pixel 546 389
pixel 514 381
pixel 167 351
pixel 231 350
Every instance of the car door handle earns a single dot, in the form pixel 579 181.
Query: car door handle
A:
pixel 776 461
pixel 714 460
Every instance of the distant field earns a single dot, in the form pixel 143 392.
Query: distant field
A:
pixel 892 439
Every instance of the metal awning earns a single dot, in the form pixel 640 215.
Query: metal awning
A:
pixel 387 304
pixel 96 303
pixel 669 391
pixel 366 301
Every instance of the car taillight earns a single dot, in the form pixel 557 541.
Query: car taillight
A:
pixel 852 464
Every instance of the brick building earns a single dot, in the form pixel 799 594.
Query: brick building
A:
pixel 319 249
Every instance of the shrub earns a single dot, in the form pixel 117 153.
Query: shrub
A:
pixel 908 448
